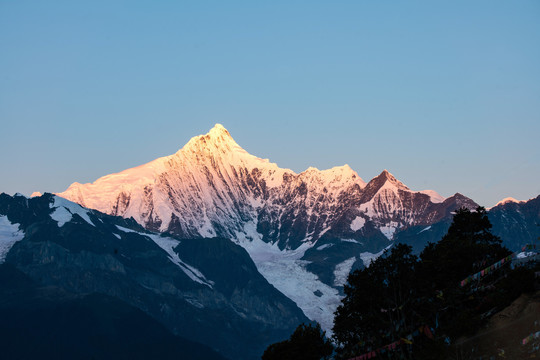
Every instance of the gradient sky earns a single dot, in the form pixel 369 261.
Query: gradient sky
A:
pixel 445 95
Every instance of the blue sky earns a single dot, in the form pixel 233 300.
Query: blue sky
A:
pixel 445 95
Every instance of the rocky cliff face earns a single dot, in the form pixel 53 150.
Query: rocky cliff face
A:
pixel 205 290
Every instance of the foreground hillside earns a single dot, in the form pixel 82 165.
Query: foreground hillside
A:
pixel 504 334
pixel 435 305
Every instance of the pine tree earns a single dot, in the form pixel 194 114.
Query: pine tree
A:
pixel 378 303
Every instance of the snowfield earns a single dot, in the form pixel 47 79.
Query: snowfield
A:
pixel 285 270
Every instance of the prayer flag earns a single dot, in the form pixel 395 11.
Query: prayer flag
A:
pixel 428 332
pixel 406 341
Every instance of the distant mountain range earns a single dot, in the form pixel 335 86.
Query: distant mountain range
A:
pixel 226 217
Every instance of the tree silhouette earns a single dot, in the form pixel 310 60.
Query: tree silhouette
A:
pixel 306 343
pixel 418 303
pixel 400 294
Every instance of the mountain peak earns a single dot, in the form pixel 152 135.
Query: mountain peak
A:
pixel 218 131
pixel 508 200
pixel 217 138
pixel 385 176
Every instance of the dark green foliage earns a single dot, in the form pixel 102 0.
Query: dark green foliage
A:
pixel 306 343
pixel 400 293
pixel 466 248
pixel 384 290
pixel 377 302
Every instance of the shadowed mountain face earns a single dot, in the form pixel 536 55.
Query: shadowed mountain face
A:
pixel 517 223
pixel 49 323
pixel 204 290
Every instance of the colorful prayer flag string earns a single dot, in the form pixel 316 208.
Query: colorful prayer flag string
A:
pixel 393 346
pixel 492 267
pixel 529 338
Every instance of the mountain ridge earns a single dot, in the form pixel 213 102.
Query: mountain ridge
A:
pixel 226 182
pixel 310 228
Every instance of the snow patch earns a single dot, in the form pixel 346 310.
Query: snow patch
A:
pixel 508 200
pixel 325 246
pixel 389 230
pixel 434 196
pixel 368 257
pixel 194 302
pixel 168 244
pixel 9 235
pixel 121 228
pixel 523 255
pixel 358 223
pixel 352 241
pixel 65 209
pixel 426 229
pixel 323 232
pixel 342 270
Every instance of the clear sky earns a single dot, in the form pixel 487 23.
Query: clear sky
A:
pixel 443 94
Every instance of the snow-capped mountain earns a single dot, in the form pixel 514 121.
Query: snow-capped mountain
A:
pixel 213 187
pixel 305 232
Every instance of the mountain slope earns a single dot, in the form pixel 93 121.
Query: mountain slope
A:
pixel 205 290
pixel 517 223
pixel 50 323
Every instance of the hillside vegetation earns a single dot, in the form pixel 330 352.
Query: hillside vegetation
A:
pixel 434 306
